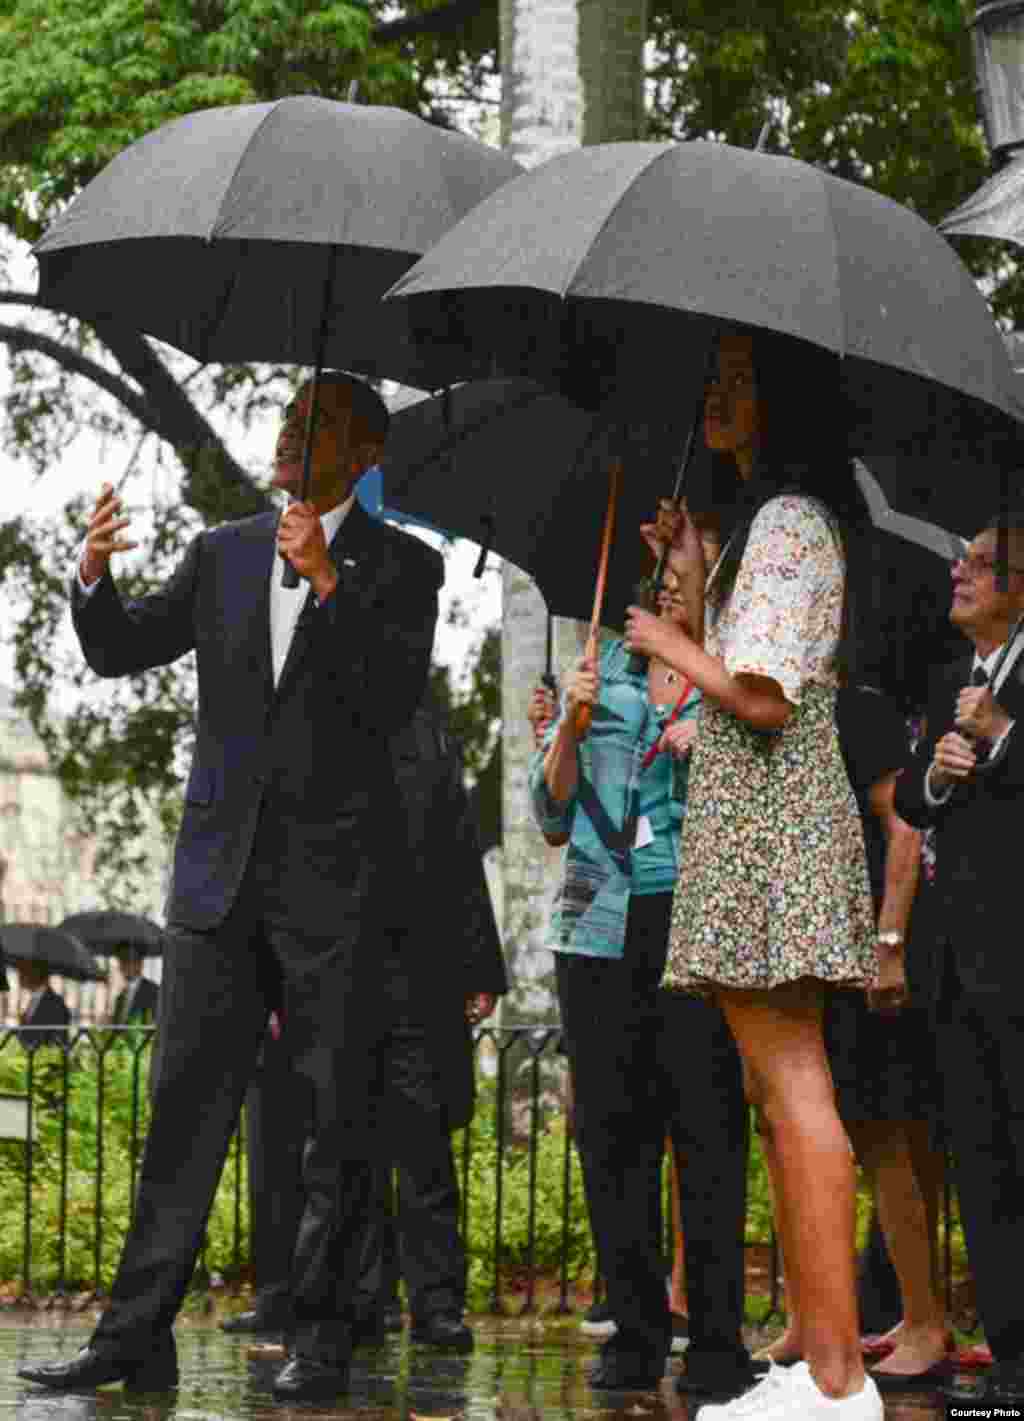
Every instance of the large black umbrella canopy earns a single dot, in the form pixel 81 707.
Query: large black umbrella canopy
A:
pixel 109 931
pixel 63 953
pixel 523 471
pixel 608 270
pixel 215 231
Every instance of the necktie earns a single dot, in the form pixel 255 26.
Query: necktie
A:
pixel 982 747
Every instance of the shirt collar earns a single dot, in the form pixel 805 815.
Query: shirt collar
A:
pixel 332 520
pixel 988 662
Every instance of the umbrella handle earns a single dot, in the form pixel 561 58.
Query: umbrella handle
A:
pixel 289 575
pixel 585 714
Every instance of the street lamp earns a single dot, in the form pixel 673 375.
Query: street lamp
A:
pixel 997 33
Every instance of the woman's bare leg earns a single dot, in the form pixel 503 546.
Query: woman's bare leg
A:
pixel 779 1035
pixel 788 1347
pixel 909 1224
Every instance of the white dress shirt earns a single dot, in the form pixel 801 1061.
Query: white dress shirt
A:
pixel 286 603
pixel 986 664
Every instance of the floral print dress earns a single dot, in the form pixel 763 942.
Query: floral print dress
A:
pixel 775 886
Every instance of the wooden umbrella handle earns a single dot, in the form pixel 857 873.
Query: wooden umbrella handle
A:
pixel 585 714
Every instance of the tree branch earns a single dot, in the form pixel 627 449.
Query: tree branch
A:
pixel 434 22
pixel 20 339
pixel 216 485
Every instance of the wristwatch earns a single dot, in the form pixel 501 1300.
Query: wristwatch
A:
pixel 889 939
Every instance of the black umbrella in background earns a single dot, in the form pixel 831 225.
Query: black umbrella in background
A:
pixel 109 932
pixel 270 232
pixel 62 953
pixel 524 472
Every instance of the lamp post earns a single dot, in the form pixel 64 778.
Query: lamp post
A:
pixel 997 35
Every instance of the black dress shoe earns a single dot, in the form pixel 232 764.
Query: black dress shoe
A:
pixel 713 1379
pixel 156 1371
pixel 303 1379
pixel 626 1371
pixel 443 1330
pixel 257 1320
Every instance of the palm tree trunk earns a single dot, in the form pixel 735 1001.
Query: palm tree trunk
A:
pixel 571 73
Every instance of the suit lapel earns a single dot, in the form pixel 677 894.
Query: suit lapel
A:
pixel 258 553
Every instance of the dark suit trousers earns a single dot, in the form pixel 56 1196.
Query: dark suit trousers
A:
pixel 981 1054
pixel 413 1133
pixel 217 992
pixel 279 1117
pixel 646 1063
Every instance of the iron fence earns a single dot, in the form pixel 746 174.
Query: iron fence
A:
pixel 78 1100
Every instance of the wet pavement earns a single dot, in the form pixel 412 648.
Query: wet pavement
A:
pixel 521 1370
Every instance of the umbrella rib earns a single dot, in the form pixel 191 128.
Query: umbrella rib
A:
pixel 610 213
pixel 271 111
pixel 825 180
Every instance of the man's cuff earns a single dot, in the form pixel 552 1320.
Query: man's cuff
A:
pixel 935 798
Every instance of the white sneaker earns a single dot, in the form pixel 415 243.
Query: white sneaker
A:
pixel 791 1394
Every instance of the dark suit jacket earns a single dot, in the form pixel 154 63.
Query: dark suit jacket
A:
pixel 50 1009
pixel 451 947
pixel 307 760
pixel 144 1003
pixel 973 902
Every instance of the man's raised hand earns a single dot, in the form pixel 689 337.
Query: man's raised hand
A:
pixel 103 537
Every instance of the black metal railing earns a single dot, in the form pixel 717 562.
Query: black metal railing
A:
pixel 68 1179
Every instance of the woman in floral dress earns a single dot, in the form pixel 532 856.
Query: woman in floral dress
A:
pixel 776 902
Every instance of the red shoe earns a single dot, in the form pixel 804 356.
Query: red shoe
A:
pixel 977 1356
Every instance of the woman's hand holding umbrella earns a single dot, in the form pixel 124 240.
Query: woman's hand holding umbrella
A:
pixel 583 688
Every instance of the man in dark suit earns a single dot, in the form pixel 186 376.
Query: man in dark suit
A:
pixel 447 974
pixel 967 779
pixel 45 1007
pixel 138 999
pixel 278 896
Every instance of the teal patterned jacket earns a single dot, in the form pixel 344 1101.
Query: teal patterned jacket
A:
pixel 603 869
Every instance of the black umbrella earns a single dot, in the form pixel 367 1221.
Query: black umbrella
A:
pixel 109 932
pixel 270 232
pixel 609 269
pixel 219 232
pixel 58 949
pixel 524 472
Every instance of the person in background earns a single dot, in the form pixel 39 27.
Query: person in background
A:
pixel 439 985
pixel 45 1008
pixel 882 1055
pixel 643 1065
pixel 966 780
pixel 598 1321
pixel 138 999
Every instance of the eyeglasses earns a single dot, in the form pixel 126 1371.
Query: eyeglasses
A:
pixel 973 565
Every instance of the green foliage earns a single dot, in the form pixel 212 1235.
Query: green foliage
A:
pixel 106 1081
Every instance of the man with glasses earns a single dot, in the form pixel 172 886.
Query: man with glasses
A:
pixel 282 894
pixel 967 780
